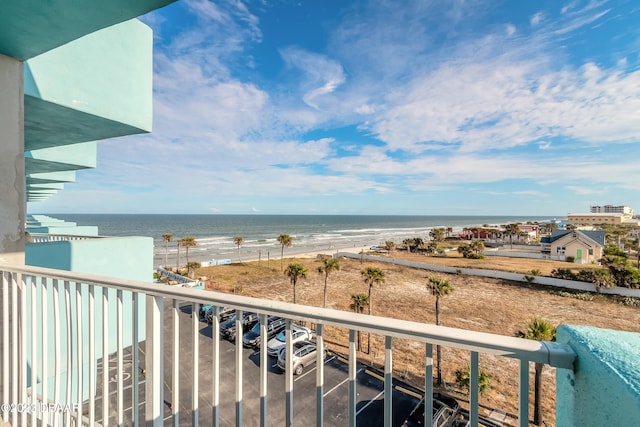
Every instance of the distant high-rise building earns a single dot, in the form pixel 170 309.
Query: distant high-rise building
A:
pixel 625 210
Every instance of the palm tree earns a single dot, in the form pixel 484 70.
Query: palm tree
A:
pixel 284 240
pixel 358 303
pixel 540 330
pixel 188 242
pixel 549 227
pixel 192 266
pixel 372 276
pixel 238 240
pixel 328 265
pixel 439 287
pixel 295 272
pixel 477 246
pixel 511 230
pixel 437 234
pixel 167 237
pixel 178 260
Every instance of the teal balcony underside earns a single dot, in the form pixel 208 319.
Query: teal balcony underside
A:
pixel 31 27
pixel 93 88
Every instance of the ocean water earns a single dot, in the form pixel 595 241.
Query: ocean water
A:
pixel 322 233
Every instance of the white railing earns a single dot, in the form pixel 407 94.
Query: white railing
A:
pixel 65 354
pixel 46 238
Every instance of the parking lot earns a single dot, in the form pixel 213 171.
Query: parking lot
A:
pixel 369 386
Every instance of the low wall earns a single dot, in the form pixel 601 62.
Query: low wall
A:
pixel 533 255
pixel 495 274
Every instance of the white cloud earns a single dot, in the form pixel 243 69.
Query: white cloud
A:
pixel 320 75
pixel 544 145
pixel 536 19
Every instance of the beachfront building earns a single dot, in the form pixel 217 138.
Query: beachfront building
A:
pixel 607 215
pixel 583 246
pixel 613 218
pixel 623 209
pixel 71 75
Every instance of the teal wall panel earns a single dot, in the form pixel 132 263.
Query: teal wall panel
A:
pixel 604 389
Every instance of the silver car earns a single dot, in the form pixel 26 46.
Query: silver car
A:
pixel 304 354
pixel 277 343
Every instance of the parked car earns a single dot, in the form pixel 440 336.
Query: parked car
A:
pixel 204 309
pixel 274 326
pixel 225 313
pixel 228 327
pixel 277 343
pixel 446 412
pixel 304 354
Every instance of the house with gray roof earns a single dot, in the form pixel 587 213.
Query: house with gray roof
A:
pixel 584 246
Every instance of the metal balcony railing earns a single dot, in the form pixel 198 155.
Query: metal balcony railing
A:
pixel 56 326
pixel 47 238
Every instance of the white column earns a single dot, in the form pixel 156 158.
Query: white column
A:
pixel 12 180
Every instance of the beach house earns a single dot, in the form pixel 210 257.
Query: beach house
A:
pixel 583 246
pixel 85 341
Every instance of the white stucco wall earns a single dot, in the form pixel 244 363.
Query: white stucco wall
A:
pixel 12 179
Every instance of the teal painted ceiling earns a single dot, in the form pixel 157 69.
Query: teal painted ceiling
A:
pixel 31 27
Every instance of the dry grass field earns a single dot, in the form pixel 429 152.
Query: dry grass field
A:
pixel 479 304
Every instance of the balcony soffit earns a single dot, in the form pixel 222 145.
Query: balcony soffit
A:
pixel 31 27
pixel 51 177
pixel 50 125
pixel 40 165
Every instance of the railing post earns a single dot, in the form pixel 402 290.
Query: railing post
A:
pixel 428 385
pixel 263 370
pixel 80 346
pixel 388 380
pixel 523 396
pixel 175 371
pixel 195 332
pixel 320 375
pixel 92 355
pixel 34 347
pixel 105 355
pixel 352 378
pixel 288 381
pixel 23 346
pixel 14 346
pixel 473 389
pixel 135 390
pixel 239 359
pixel 153 360
pixel 215 357
pixel 119 356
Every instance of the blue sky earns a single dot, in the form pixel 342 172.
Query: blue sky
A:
pixel 380 107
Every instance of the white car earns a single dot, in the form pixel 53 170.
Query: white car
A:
pixel 277 343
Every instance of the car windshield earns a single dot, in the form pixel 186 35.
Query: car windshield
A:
pixel 280 337
pixel 256 329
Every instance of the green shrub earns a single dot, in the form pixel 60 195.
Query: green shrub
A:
pixel 463 379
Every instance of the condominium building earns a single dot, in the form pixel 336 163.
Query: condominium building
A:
pixel 623 209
